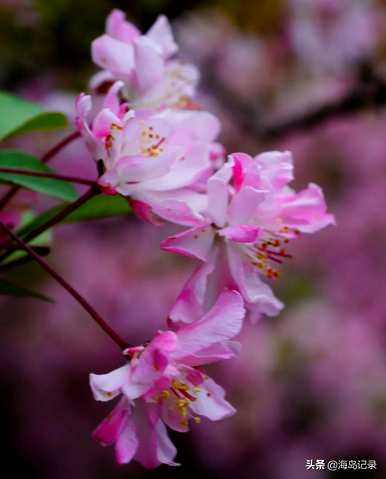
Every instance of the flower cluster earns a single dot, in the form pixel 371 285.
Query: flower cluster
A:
pixel 155 146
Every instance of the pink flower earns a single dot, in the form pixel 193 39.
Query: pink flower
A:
pixel 164 384
pixel 154 158
pixel 144 63
pixel 250 217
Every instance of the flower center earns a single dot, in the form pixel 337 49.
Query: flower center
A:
pixel 179 396
pixel 151 142
pixel 269 252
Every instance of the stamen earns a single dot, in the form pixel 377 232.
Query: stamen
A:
pixel 271 250
pixel 148 146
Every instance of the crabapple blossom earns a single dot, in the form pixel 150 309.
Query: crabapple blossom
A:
pixel 250 217
pixel 152 78
pixel 164 383
pixel 159 159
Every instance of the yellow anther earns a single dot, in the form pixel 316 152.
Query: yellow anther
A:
pixel 181 403
pixel 165 394
pixel 197 419
pixel 178 385
pixel 184 412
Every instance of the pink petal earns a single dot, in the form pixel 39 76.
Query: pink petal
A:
pixel 276 168
pixel 161 34
pixel 247 278
pixel 166 451
pixel 147 437
pixel 187 170
pixel 241 233
pixel 240 160
pixel 149 65
pixel 171 415
pixel 306 210
pixel 222 322
pixel 127 443
pixel 101 126
pixel 214 353
pixel 155 447
pixel 200 125
pixel 195 242
pixel 114 56
pixel 244 204
pixel 145 212
pixel 190 302
pixel 154 360
pixel 111 100
pixel 83 107
pixel 111 427
pixel 266 304
pixel 107 386
pixel 218 194
pixel 177 211
pixel 210 402
pixel 118 28
pixel 136 168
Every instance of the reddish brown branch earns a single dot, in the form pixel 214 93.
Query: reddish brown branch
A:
pixel 86 306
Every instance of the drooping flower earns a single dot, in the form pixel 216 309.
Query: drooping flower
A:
pixel 152 77
pixel 164 383
pixel 250 217
pixel 158 159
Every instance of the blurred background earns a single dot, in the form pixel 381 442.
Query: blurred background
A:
pixel 304 75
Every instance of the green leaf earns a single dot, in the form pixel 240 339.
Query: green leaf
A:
pixel 101 206
pixel 49 186
pixel 20 116
pixel 44 121
pixel 10 289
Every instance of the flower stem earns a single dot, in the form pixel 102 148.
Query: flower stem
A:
pixel 45 158
pixel 91 311
pixel 42 174
pixel 93 191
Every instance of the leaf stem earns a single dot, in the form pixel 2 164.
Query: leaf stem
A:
pixel 90 310
pixel 93 191
pixel 45 158
pixel 42 174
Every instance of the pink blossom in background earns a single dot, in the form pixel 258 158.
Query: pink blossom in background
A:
pixel 331 35
pixel 311 386
pixel 244 64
